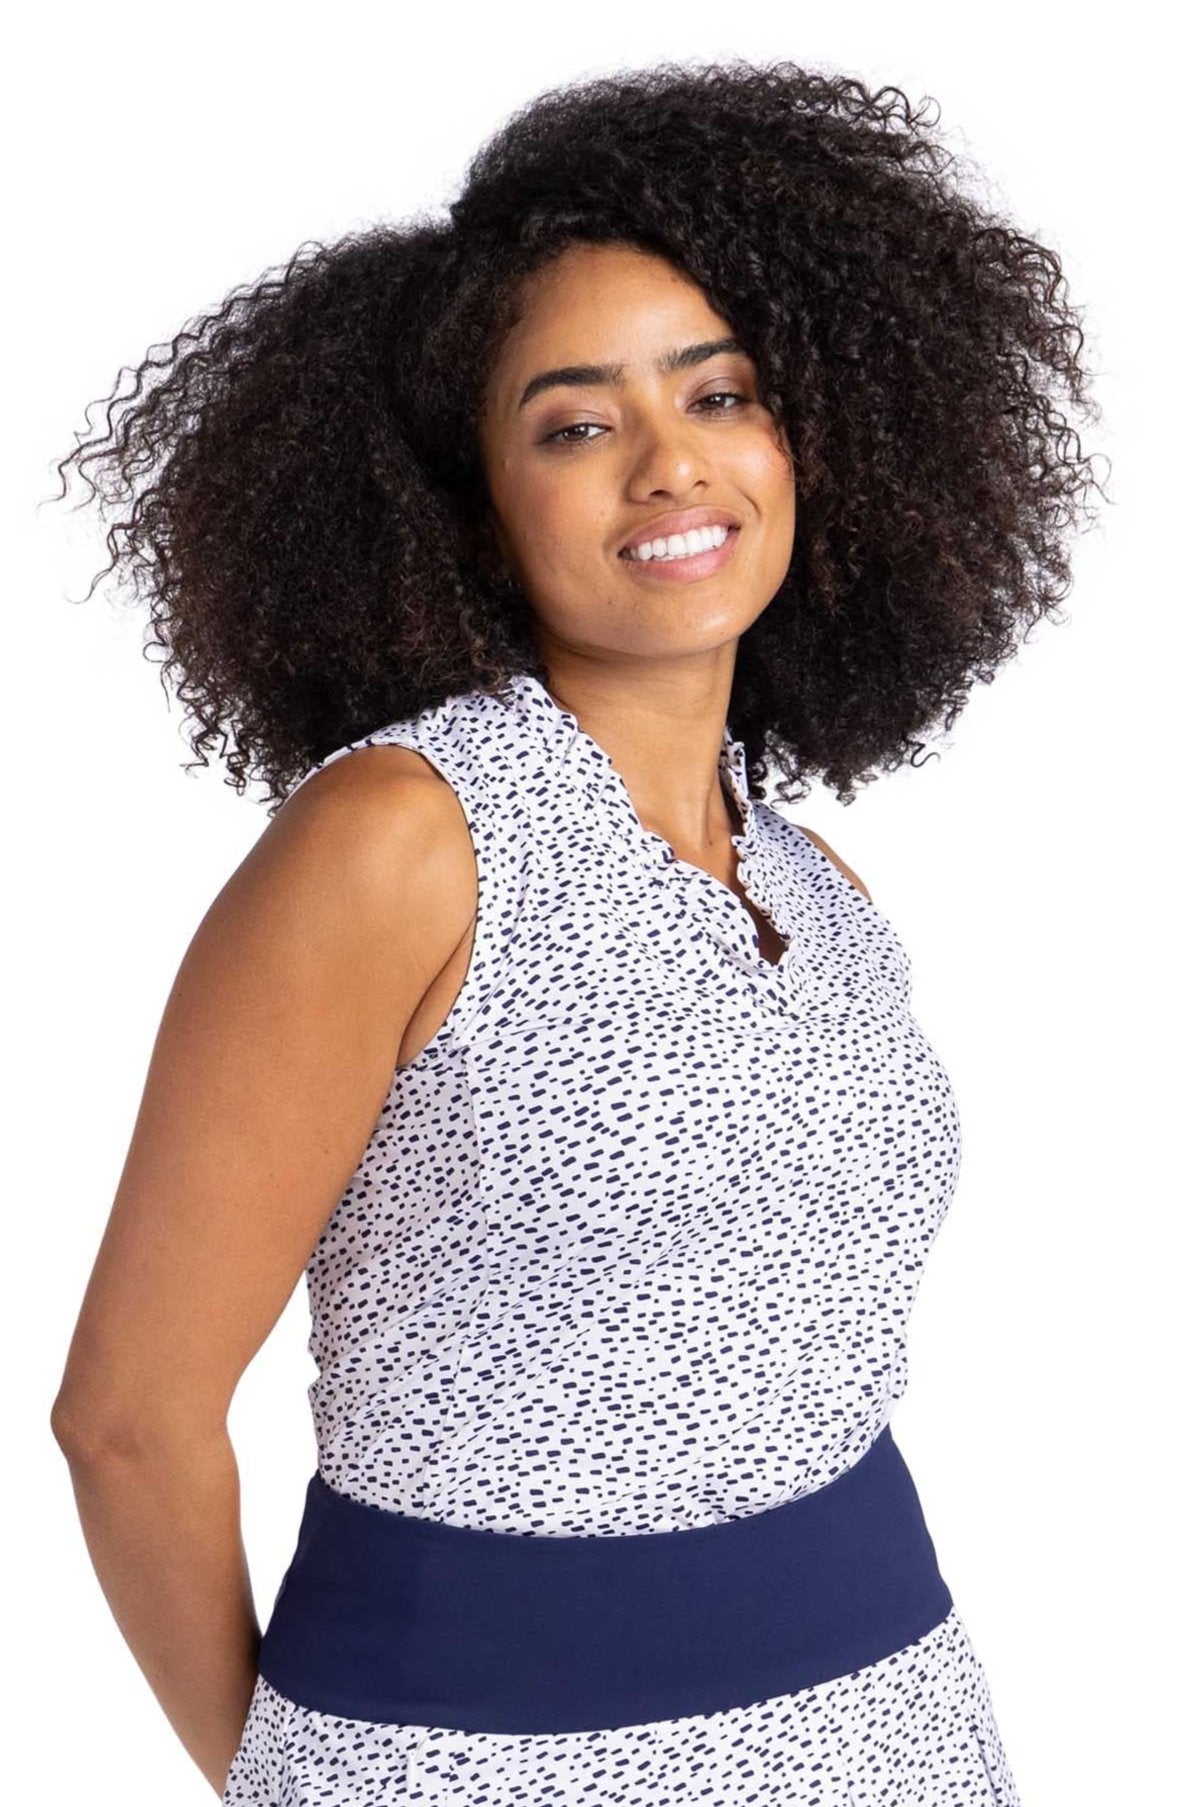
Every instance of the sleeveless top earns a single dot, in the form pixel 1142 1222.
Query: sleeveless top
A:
pixel 635 1240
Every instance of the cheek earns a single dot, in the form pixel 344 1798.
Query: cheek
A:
pixel 563 524
pixel 542 508
pixel 767 462
pixel 782 464
pixel 775 485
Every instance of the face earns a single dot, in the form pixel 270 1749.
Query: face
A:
pixel 582 465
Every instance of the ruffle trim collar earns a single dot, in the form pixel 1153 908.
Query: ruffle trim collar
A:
pixel 583 762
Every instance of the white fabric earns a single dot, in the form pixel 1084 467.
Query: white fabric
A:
pixel 633 1247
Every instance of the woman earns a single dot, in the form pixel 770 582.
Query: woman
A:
pixel 579 1081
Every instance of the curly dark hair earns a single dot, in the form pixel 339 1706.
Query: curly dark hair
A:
pixel 307 488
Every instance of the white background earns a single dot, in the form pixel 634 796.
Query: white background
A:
pixel 1042 871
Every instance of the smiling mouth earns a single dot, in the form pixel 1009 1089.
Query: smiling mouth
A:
pixel 686 567
pixel 665 558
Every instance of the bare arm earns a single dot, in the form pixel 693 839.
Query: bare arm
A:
pixel 274 1056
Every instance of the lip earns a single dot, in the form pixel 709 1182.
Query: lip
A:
pixel 684 570
pixel 680 522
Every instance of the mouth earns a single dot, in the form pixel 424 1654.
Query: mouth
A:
pixel 685 568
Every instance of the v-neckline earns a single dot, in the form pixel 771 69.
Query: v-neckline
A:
pixel 602 784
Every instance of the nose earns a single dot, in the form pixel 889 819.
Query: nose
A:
pixel 667 456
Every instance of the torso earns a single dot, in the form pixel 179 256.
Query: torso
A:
pixel 436 1004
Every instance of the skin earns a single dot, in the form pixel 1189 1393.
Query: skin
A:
pixel 645 667
pixel 336 948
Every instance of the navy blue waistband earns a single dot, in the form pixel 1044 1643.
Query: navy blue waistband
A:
pixel 412 1622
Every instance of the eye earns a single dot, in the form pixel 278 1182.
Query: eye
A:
pixel 721 395
pixel 560 436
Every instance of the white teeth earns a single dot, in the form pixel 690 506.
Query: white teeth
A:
pixel 680 545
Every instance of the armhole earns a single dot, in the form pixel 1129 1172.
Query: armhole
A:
pixel 490 927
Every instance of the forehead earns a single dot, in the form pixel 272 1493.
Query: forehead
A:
pixel 606 286
pixel 601 304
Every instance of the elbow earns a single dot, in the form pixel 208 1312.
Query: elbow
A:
pixel 84 1434
pixel 87 1435
pixel 79 1432
pixel 66 1427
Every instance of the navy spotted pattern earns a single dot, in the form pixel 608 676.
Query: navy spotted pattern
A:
pixel 633 1247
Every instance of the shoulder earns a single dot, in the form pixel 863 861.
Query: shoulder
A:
pixel 387 808
pixel 835 858
pixel 382 828
pixel 371 774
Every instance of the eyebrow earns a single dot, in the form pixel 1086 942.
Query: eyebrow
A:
pixel 585 375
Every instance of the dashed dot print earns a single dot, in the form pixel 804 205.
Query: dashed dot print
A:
pixel 633 1247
